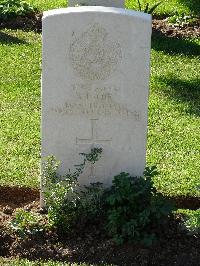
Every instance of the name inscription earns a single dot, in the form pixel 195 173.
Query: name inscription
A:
pixel 95 102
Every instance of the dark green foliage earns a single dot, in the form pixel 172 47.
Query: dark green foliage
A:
pixel 128 210
pixel 134 206
pixel 91 207
pixel 14 8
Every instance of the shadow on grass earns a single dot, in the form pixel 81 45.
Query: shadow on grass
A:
pixel 185 91
pixel 172 45
pixel 194 5
pixel 9 39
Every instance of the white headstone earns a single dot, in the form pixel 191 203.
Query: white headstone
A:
pixel 111 3
pixel 95 76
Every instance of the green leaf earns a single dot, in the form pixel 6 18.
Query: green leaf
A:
pixel 151 10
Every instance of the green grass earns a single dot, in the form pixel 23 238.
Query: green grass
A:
pixel 191 220
pixel 48 4
pixel 174 112
pixel 167 8
pixel 20 107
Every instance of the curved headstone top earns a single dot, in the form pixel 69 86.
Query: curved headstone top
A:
pixel 111 3
pixel 96 9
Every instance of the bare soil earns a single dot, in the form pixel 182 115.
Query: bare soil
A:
pixel 173 247
pixel 161 26
pixel 32 21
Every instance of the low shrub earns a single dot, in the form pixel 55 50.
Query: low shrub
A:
pixel 13 8
pixel 126 211
pixel 67 203
pixel 134 206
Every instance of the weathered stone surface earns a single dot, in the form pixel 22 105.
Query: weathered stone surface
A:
pixel 108 3
pixel 95 77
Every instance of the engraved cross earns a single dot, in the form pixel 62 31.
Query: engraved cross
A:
pixel 94 136
pixel 92 141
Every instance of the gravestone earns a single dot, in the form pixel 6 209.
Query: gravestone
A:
pixel 95 76
pixel 108 3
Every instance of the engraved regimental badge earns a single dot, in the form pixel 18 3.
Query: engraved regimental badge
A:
pixel 94 55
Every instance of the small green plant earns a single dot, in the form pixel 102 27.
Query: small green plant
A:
pixel 191 220
pixel 133 206
pixel 147 8
pixel 26 223
pixel 65 200
pixel 181 20
pixel 13 8
pixel 92 203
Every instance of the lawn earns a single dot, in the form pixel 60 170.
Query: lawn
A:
pixel 20 107
pixel 167 8
pixel 174 110
pixel 48 4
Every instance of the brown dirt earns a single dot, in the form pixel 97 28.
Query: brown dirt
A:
pixel 181 202
pixel 12 198
pixel 174 246
pixel 162 27
pixel 34 22
pixel 17 196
